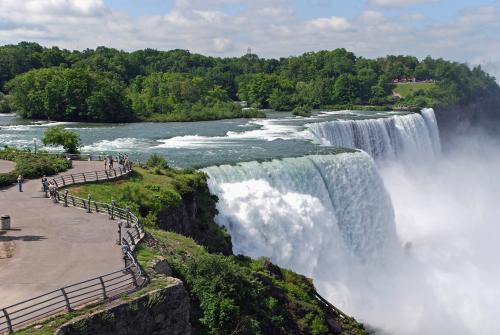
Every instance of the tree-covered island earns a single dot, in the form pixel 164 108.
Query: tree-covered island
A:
pixel 109 85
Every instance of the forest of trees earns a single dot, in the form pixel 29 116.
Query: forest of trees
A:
pixel 109 85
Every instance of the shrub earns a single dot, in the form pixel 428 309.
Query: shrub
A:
pixel 31 165
pixel 302 111
pixel 157 161
pixel 58 136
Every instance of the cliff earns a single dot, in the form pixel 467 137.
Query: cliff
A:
pixel 162 311
pixel 483 113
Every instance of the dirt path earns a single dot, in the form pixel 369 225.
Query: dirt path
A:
pixel 52 246
pixel 6 166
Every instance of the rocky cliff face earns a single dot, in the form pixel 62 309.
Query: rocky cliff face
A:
pixel 484 113
pixel 194 217
pixel 163 311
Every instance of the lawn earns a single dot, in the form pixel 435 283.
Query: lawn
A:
pixel 406 89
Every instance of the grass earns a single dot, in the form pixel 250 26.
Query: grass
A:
pixel 167 198
pixel 408 89
pixel 146 191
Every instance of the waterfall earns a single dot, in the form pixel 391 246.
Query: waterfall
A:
pixel 309 213
pixel 410 136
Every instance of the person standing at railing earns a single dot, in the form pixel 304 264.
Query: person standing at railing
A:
pixel 20 181
pixel 125 161
pixel 105 164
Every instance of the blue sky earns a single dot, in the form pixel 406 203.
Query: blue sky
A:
pixel 461 30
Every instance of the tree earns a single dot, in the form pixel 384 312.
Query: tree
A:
pixel 344 90
pixel 58 136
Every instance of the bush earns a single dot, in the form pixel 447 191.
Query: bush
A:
pixel 226 292
pixel 157 161
pixel 303 111
pixel 31 165
pixel 58 136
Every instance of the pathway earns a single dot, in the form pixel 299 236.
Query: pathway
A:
pixel 53 246
pixel 6 166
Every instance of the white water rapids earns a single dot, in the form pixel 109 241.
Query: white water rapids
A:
pixel 409 246
pixel 392 137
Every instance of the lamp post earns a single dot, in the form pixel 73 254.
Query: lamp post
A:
pixel 34 141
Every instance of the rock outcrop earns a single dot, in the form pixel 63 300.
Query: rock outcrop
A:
pixel 163 311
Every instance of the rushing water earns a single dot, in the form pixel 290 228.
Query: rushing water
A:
pixel 383 138
pixel 192 144
pixel 401 236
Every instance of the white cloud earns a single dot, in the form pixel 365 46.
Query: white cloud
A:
pixel 221 44
pixel 372 17
pixel 270 27
pixel 399 3
pixel 330 23
pixel 493 68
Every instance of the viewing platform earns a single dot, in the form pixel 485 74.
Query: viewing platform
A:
pixel 50 246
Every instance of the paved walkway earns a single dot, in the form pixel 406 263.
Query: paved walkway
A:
pixel 52 246
pixel 6 166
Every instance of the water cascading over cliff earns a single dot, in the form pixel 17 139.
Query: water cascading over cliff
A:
pixel 395 137
pixel 309 213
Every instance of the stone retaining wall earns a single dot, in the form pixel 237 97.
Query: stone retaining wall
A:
pixel 163 311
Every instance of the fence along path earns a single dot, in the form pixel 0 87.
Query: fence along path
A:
pixel 104 287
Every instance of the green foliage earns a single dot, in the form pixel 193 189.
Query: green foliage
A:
pixel 239 295
pixel 302 111
pixel 58 136
pixel 157 160
pixel 31 165
pixel 163 197
pixel 69 95
pixel 5 104
pixel 111 85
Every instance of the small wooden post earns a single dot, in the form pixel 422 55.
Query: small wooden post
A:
pixel 89 210
pixel 103 288
pixel 113 204
pixel 119 233
pixel 128 216
pixel 68 304
pixel 131 237
pixel 7 318
pixel 65 198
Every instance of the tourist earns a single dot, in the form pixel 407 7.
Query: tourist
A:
pixel 52 189
pixel 105 163
pixel 20 181
pixel 44 183
pixel 111 163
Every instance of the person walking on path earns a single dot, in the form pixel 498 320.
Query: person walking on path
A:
pixel 44 183
pixel 105 163
pixel 20 181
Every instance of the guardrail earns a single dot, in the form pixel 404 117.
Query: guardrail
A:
pixel 88 177
pixel 81 156
pixel 98 289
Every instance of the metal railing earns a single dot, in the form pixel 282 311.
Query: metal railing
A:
pixel 81 156
pixel 104 287
pixel 94 176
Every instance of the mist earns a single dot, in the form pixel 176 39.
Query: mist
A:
pixel 447 279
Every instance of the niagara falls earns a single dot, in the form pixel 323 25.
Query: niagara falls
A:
pixel 236 167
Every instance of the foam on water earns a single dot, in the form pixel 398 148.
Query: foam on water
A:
pixel 269 130
pixel 310 213
pixel 116 144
